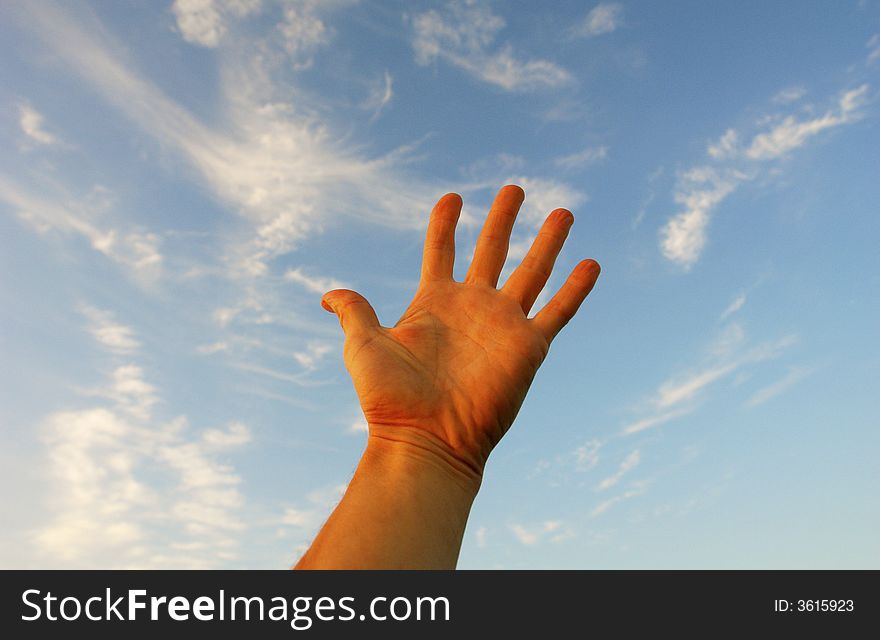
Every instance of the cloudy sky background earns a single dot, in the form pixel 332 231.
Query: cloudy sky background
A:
pixel 182 181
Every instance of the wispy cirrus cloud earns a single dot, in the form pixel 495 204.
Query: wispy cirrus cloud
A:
pixel 464 34
pixel 737 304
pixel 654 420
pixel 603 18
pixel 586 456
pixel 727 353
pixel 380 96
pixel 792 133
pixel 554 531
pixel 630 462
pixel 789 95
pixel 32 125
pixel 135 248
pixel 313 354
pixel 636 489
pixel 789 380
pixel 314 283
pixel 579 159
pixel 284 172
pixel 701 189
pixel 873 46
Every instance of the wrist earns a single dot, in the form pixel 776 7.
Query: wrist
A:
pixel 417 452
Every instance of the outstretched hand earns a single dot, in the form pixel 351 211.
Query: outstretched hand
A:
pixel 451 375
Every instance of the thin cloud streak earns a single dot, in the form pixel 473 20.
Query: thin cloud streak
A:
pixel 464 34
pixel 675 397
pixel 629 463
pixel 765 394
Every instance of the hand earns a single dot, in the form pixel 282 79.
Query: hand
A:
pixel 451 375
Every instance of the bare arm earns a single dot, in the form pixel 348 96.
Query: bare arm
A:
pixel 441 388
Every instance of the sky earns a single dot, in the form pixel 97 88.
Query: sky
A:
pixel 181 181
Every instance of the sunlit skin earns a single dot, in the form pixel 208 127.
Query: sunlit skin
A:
pixel 441 387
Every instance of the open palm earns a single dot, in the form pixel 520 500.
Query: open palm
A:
pixel 454 370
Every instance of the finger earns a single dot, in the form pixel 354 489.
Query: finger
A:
pixel 567 300
pixel 526 282
pixel 354 312
pixel 438 258
pixel 494 239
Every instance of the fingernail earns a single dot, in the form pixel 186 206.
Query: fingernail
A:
pixel 590 267
pixel 564 215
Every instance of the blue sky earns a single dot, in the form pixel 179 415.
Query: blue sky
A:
pixel 182 181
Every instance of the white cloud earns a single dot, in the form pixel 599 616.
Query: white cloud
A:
pixel 589 155
pixel 118 338
pixel 653 177
pixel 524 535
pixel 127 492
pixel 31 123
pixel 313 283
pixel 792 133
pixel 733 307
pixel 675 392
pixel 131 392
pixel 359 425
pixel 554 530
pixel 794 375
pixel 136 249
pixel 303 31
pixel 873 46
pixel 725 147
pixel 653 421
pixel 789 95
pixel 205 22
pixel 313 354
pixel 212 348
pixel 629 463
pixel 679 390
pixel 728 343
pixel 700 190
pixel 543 195
pixel 320 503
pixel 277 165
pixel 674 397
pixel 481 535
pixel 587 455
pixel 603 18
pixel 235 435
pixel 380 96
pixel 636 489
pixel 298 518
pixel 464 35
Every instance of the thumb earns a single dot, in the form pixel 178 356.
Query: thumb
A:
pixel 354 312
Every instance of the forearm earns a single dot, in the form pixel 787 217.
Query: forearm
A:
pixel 405 508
